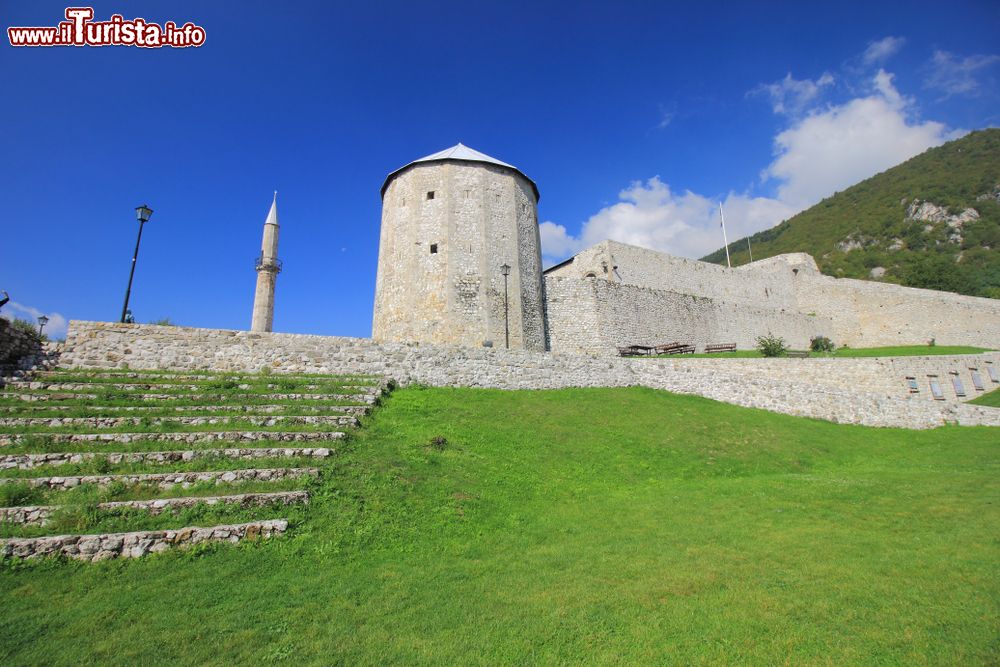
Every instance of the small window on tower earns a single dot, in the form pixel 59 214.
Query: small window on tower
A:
pixel 434 248
pixel 430 194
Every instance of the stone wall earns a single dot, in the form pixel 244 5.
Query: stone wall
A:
pixel 439 277
pixel 870 314
pixel 860 391
pixel 641 267
pixel 17 345
pixel 595 316
pixel 858 313
pixel 133 545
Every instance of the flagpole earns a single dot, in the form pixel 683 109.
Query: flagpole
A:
pixel 749 250
pixel 724 239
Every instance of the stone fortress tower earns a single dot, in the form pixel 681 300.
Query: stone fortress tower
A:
pixel 450 223
pixel 268 267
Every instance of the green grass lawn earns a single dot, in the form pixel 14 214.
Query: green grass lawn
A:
pixel 846 352
pixel 991 399
pixel 598 526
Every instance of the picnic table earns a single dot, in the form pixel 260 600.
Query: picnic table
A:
pixel 636 350
pixel 675 348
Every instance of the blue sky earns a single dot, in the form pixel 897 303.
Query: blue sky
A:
pixel 634 119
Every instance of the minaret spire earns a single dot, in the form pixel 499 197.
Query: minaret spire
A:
pixel 268 268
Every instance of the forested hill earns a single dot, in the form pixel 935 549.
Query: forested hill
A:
pixel 932 221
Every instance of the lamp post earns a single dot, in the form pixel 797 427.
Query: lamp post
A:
pixel 42 321
pixel 142 213
pixel 505 270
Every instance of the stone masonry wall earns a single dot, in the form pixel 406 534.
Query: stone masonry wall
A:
pixel 594 316
pixel 869 314
pixel 16 344
pixel 858 313
pixel 481 216
pixel 134 545
pixel 859 391
pixel 631 265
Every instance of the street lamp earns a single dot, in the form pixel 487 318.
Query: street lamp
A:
pixel 42 321
pixel 505 270
pixel 142 214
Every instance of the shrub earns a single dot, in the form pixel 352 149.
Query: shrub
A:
pixel 26 327
pixel 771 346
pixel 821 344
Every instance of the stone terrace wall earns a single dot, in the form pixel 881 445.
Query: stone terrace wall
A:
pixel 16 344
pixel 859 313
pixel 649 268
pixel 812 389
pixel 869 314
pixel 597 316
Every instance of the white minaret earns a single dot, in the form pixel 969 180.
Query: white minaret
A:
pixel 268 268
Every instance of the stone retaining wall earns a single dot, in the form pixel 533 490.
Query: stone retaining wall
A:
pixel 164 480
pixel 133 545
pixel 30 461
pixel 17 344
pixel 38 515
pixel 868 391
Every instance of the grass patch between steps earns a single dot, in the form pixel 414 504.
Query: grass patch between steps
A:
pixel 13 495
pixel 40 444
pixel 101 466
pixel 83 518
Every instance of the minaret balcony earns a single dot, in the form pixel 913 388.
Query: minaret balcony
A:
pixel 265 263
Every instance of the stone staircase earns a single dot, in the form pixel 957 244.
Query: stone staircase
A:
pixel 90 466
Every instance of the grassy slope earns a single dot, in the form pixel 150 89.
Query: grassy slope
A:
pixel 992 399
pixel 606 525
pixel 952 175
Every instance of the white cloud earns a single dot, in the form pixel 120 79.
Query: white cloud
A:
pixel 957 76
pixel 825 151
pixel 556 241
pixel 652 216
pixel 835 148
pixel 54 328
pixel 881 50
pixel 791 95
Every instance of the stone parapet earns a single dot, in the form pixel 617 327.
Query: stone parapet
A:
pixel 134 545
pixel 870 391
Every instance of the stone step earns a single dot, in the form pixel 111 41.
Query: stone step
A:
pixel 238 398
pixel 192 437
pixel 260 409
pixel 133 545
pixel 164 480
pixel 199 377
pixel 30 461
pixel 35 385
pixel 200 420
pixel 38 515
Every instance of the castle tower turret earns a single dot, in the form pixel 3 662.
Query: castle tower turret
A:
pixel 450 223
pixel 268 268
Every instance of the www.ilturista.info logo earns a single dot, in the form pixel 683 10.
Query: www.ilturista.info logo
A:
pixel 80 30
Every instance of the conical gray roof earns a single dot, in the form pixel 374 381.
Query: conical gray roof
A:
pixel 461 153
pixel 272 215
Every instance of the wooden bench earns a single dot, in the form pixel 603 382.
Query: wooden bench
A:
pixel 797 354
pixel 635 350
pixel 675 348
pixel 720 347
